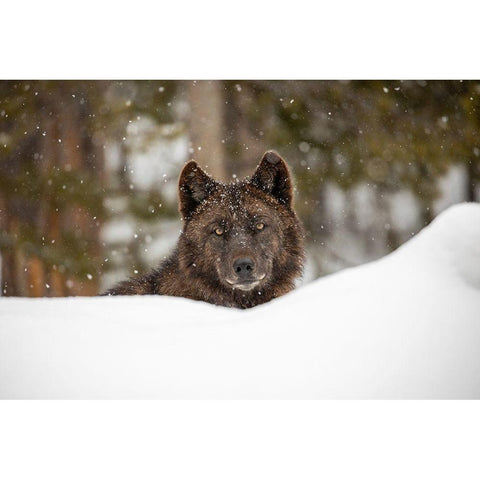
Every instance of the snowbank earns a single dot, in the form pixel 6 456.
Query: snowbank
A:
pixel 406 326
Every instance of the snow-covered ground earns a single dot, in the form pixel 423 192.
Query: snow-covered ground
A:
pixel 405 326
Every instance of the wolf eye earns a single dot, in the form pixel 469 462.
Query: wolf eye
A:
pixel 260 226
pixel 219 231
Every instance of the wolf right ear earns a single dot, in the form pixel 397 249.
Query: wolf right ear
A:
pixel 272 177
pixel 194 187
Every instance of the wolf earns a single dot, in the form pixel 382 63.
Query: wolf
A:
pixel 241 244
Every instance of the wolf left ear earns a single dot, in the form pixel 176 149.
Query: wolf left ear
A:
pixel 272 177
pixel 194 187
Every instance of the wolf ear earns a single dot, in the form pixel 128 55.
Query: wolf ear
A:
pixel 194 187
pixel 272 177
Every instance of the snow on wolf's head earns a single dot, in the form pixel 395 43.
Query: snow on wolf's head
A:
pixel 242 239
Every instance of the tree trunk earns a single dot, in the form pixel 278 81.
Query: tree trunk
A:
pixel 207 98
pixel 10 285
pixel 473 175
pixel 245 145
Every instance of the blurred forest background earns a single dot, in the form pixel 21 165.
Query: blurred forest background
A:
pixel 89 169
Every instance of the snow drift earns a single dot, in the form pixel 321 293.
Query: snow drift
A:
pixel 406 326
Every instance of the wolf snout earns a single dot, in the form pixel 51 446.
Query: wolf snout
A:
pixel 243 268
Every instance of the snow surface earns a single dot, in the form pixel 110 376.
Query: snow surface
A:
pixel 405 326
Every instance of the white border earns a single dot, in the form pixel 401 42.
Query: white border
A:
pixel 239 440
pixel 248 39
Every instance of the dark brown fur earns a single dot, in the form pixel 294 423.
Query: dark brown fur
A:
pixel 260 237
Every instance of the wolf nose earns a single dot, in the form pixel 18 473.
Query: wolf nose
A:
pixel 243 267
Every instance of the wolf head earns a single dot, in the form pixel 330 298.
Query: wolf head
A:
pixel 243 238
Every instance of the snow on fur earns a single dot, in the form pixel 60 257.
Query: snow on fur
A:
pixel 406 326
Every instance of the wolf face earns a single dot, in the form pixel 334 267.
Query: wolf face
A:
pixel 243 236
pixel 241 243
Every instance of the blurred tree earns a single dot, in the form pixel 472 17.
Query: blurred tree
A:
pixel 142 125
pixel 50 188
pixel 53 183
pixel 469 148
